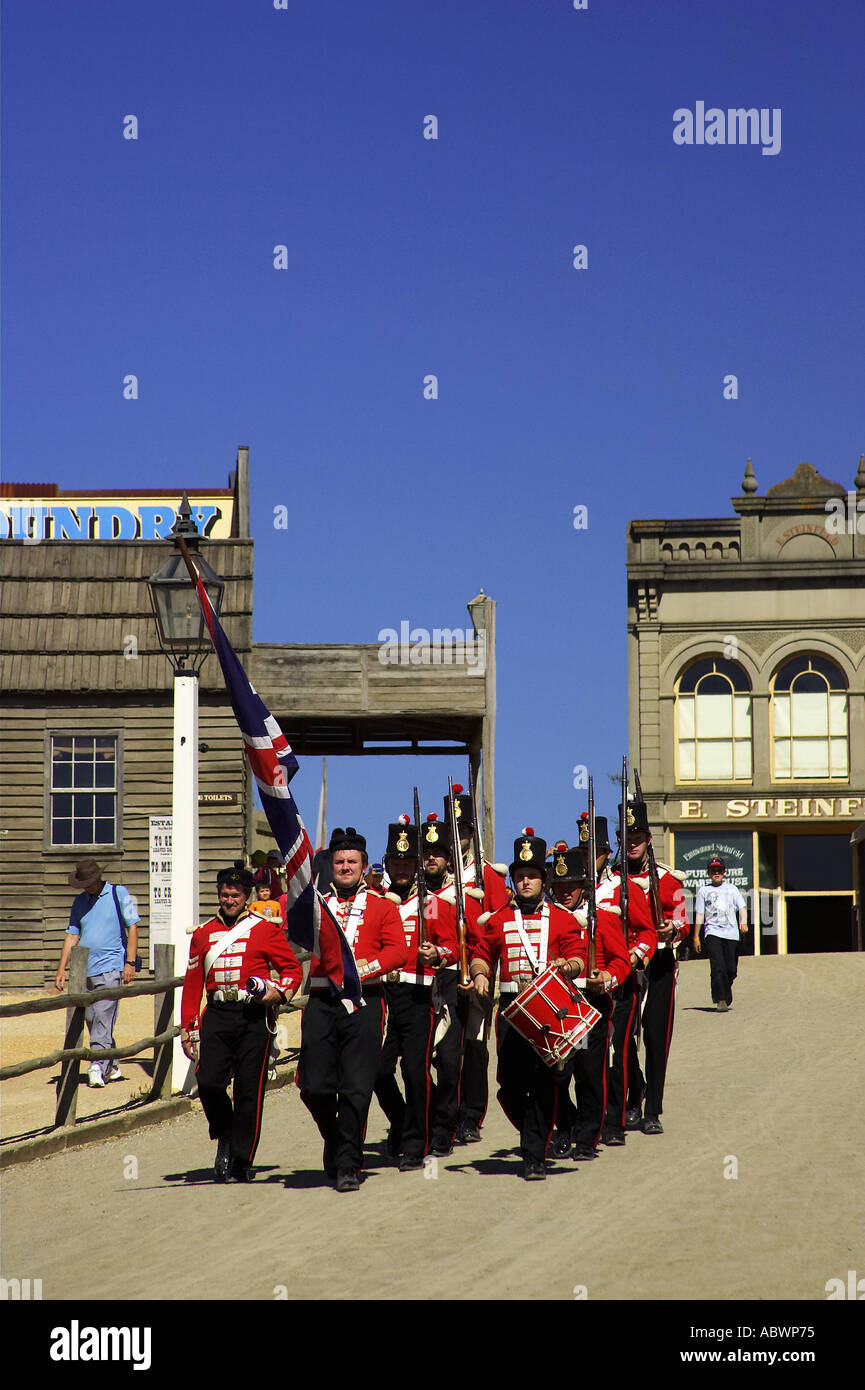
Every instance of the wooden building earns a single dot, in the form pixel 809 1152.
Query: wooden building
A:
pixel 86 734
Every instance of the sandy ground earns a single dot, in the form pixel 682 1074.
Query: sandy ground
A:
pixel 770 1092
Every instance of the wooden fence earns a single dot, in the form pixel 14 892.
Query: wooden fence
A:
pixel 162 987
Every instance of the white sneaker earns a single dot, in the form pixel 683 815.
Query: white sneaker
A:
pixel 94 1075
pixel 115 1074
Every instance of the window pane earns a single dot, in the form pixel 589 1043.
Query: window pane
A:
pixel 82 832
pixel 838 714
pixel 686 717
pixel 714 762
pixel 82 804
pixel 62 805
pixel 687 766
pixel 838 757
pixel 810 757
pixel 714 685
pixel 715 716
pixel 742 716
pixel 61 832
pixel 810 715
pixel 104 832
pixel 61 774
pixel 781 715
pixel 782 758
pixel 742 758
pixel 83 774
pixel 817 862
pixel 104 804
pixel 693 674
pixel 105 774
pixel 83 749
pixel 61 748
pixel 833 673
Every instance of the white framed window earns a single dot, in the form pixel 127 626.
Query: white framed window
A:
pixel 83 771
pixel 713 723
pixel 809 721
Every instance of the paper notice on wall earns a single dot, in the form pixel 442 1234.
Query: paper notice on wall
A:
pixel 160 882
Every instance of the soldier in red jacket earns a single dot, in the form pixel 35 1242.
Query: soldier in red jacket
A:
pixel 523 939
pixel 412 1002
pixel 232 1034
pixel 659 1008
pixel 488 896
pixel 340 1050
pixel 588 1063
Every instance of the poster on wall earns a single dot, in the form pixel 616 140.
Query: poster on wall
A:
pixel 694 849
pixel 160 882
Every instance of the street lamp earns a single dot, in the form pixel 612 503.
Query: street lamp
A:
pixel 184 638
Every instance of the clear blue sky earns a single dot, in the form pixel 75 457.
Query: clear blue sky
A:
pixel 557 387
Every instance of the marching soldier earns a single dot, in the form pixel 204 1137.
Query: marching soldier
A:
pixel 523 939
pixel 489 890
pixel 340 1050
pixel 588 1063
pixel 659 1008
pixel 411 1002
pixel 625 1086
pixel 231 1038
pixel 445 1098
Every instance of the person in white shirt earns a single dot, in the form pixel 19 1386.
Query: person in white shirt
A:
pixel 718 904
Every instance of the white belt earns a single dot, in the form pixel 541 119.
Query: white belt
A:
pixel 404 977
pixel 230 995
pixel 509 987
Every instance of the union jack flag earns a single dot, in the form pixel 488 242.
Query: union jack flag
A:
pixel 308 921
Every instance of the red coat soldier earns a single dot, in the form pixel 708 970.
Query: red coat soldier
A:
pixel 232 1034
pixel 340 1050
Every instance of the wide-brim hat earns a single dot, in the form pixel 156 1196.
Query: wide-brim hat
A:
pixel 568 865
pixel 463 807
pixel 435 837
pixel 346 839
pixel 401 839
pixel 530 852
pixel 87 871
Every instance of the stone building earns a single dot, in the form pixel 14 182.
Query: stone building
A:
pixel 747 699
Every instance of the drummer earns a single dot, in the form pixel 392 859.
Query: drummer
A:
pixel 588 1064
pixel 524 938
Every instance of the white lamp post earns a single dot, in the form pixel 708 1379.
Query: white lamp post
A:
pixel 185 640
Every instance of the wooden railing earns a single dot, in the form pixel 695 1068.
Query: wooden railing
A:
pixel 162 987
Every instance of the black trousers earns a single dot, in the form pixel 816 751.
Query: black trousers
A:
pixel 475 1076
pixel 339 1058
pixel 527 1090
pixel 723 956
pixel 410 1028
pixel 234 1043
pixel 445 1096
pixel 658 1014
pixel 590 1074
pixel 621 1081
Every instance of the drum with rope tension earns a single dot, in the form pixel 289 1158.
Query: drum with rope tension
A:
pixel 552 1015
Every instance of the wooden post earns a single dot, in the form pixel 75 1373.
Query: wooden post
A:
pixel 163 1013
pixel 67 1090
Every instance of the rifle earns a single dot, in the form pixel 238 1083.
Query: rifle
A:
pixel 654 881
pixel 465 978
pixel 421 881
pixel 624 886
pixel 591 885
pixel 476 834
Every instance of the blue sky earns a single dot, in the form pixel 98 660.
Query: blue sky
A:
pixel 603 387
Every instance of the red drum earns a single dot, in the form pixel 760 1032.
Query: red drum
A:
pixel 552 1015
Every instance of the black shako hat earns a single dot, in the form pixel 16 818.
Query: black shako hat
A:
pixel 602 834
pixel 530 852
pixel 463 807
pixel 636 816
pixel 346 839
pixel 235 878
pixel 401 839
pixel 569 865
pixel 435 836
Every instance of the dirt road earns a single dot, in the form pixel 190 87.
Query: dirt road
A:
pixel 754 1191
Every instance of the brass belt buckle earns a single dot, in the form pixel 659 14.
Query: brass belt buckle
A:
pixel 393 977
pixel 230 994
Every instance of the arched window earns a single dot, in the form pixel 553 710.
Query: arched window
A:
pixel 809 720
pixel 713 722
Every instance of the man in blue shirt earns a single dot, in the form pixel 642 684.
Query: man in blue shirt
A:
pixel 95 922
pixel 717 905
